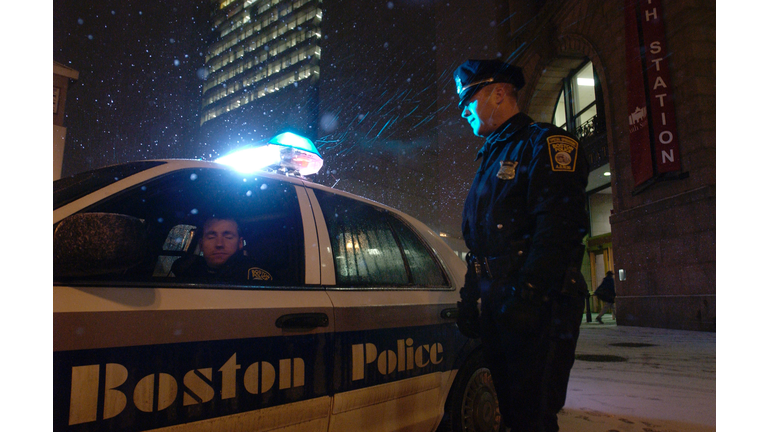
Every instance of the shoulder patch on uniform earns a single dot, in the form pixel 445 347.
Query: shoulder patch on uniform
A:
pixel 255 273
pixel 562 152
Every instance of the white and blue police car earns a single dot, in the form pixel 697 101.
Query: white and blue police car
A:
pixel 349 325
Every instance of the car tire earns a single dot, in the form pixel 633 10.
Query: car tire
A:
pixel 472 405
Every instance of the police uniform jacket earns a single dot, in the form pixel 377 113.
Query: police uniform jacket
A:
pixel 238 269
pixel 530 188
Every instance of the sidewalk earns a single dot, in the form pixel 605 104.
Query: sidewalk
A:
pixel 636 379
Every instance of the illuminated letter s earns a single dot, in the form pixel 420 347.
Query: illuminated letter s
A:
pixel 197 389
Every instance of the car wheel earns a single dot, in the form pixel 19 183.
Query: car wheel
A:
pixel 472 405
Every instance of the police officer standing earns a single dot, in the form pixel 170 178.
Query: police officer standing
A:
pixel 524 220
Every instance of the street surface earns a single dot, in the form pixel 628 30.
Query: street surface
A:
pixel 633 379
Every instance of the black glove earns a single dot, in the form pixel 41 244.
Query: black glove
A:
pixel 468 319
pixel 521 311
pixel 574 285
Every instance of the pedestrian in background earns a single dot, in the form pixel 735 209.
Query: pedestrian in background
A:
pixel 606 292
pixel 524 221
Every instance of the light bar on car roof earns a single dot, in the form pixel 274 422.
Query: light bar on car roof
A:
pixel 287 152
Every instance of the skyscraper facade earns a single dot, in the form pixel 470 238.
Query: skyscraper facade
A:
pixel 257 48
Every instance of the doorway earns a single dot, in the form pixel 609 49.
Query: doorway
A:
pixel 600 252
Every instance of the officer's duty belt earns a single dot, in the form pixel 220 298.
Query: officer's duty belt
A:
pixel 502 266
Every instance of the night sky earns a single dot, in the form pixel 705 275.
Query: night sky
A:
pixel 138 94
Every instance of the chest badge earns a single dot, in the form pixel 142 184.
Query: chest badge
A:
pixel 506 170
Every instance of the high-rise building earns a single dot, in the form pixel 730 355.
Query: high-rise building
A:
pixel 257 48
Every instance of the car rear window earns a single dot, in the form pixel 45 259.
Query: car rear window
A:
pixel 374 248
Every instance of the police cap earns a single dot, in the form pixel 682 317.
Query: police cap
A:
pixel 475 74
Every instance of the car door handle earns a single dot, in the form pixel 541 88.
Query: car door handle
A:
pixel 449 313
pixel 304 321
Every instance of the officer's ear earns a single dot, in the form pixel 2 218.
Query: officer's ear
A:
pixel 507 91
pixel 240 243
pixel 497 94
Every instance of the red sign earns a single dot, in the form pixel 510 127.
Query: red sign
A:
pixel 640 152
pixel 651 104
pixel 657 77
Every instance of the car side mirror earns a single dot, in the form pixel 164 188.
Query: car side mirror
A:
pixel 90 244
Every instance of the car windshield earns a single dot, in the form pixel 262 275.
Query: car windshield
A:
pixel 71 188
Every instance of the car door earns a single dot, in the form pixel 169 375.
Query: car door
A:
pixel 395 344
pixel 137 348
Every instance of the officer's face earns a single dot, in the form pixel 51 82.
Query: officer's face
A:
pixel 220 241
pixel 479 112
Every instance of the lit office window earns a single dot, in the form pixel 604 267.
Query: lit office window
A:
pixel 263 55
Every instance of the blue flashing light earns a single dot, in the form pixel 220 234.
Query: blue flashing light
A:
pixel 290 139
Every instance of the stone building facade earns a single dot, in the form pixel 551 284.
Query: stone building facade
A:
pixel 663 227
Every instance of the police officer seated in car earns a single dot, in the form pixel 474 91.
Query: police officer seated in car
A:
pixel 223 258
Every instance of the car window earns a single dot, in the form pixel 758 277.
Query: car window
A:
pixel 424 269
pixel 373 248
pixel 174 208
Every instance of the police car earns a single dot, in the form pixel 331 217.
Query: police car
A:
pixel 349 326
